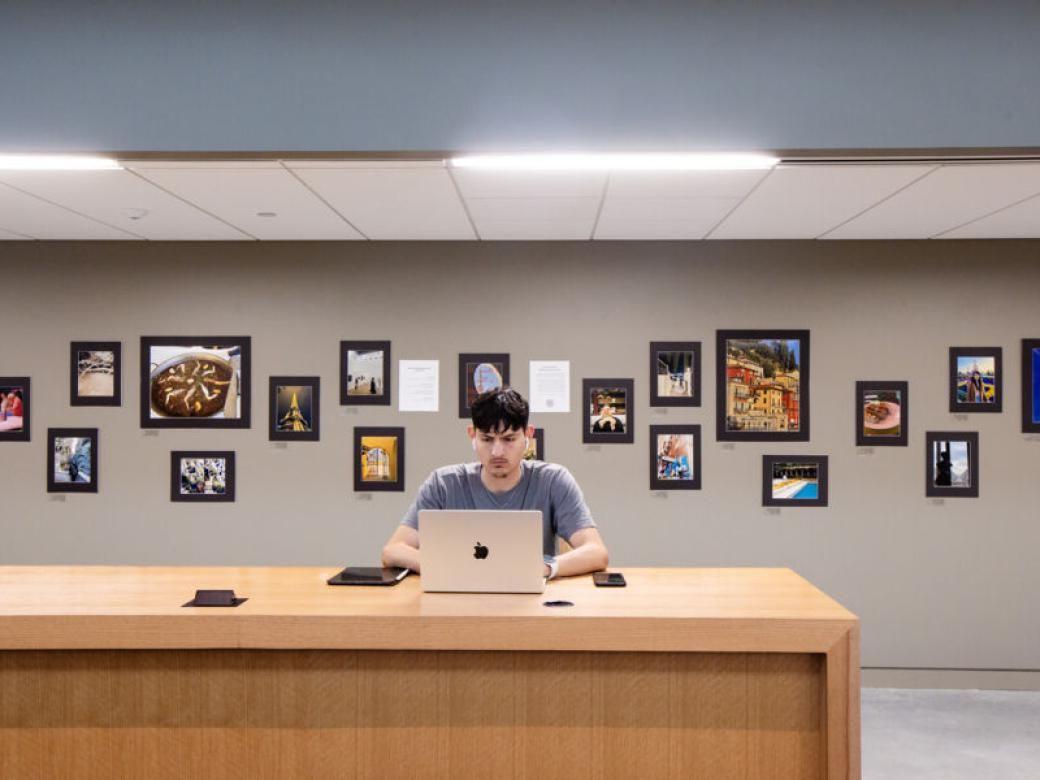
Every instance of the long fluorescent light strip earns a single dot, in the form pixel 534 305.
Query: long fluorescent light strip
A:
pixel 616 162
pixel 56 162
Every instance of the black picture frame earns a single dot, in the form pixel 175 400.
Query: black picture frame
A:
pixel 385 398
pixel 197 344
pixel 769 462
pixel 596 385
pixel 538 440
pixel 934 490
pixel 72 463
pixel 23 386
pixel 726 425
pixel 976 407
pixel 177 456
pixel 883 390
pixel 657 482
pixel 116 348
pixel 362 485
pixel 498 359
pixel 1030 385
pixel 274 413
pixel 658 347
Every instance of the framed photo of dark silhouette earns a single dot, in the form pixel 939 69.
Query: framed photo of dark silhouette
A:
pixel 294 408
pixel 762 385
pixel 72 460
pixel 675 457
pixel 479 373
pixel 202 476
pixel 976 379
pixel 882 413
pixel 364 373
pixel 378 459
pixel 608 411
pixel 14 408
pixel 794 480
pixel 952 464
pixel 675 373
pixel 1030 385
pixel 95 373
pixel 536 446
pixel 195 381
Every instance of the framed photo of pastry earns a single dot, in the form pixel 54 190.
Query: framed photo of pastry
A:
pixel 952 464
pixel 95 373
pixel 976 379
pixel 364 373
pixel 882 413
pixel 195 381
pixel 675 373
pixel 1030 385
pixel 14 408
pixel 378 459
pixel 479 373
pixel 535 449
pixel 794 480
pixel 72 460
pixel 608 413
pixel 202 476
pixel 675 457
pixel 294 408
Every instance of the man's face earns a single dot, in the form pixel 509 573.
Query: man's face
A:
pixel 500 452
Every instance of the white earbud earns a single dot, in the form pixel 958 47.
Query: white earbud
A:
pixel 474 443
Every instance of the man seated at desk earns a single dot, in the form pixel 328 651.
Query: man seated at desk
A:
pixel 503 480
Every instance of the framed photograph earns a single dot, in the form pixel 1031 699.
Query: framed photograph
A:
pixel 195 381
pixel 536 446
pixel 95 373
pixel 378 459
pixel 882 413
pixel 72 460
pixel 202 475
pixel 675 373
pixel 608 411
pixel 794 480
pixel 1030 385
pixel 14 408
pixel 364 373
pixel 952 464
pixel 479 373
pixel 294 408
pixel 675 457
pixel 762 385
pixel 976 379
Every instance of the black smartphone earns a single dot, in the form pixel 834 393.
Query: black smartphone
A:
pixel 609 579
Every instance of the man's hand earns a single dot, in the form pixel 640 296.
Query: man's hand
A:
pixel 402 549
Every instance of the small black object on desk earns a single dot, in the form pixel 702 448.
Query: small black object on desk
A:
pixel 369 575
pixel 215 598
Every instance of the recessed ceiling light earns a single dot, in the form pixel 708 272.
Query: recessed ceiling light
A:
pixel 135 214
pixel 617 162
pixel 267 214
pixel 56 162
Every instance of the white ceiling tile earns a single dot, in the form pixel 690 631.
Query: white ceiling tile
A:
pixel 542 230
pixel 533 210
pixel 29 216
pixel 804 201
pixel 682 184
pixel 709 210
pixel 6 235
pixel 239 193
pixel 951 196
pixel 480 183
pixel 117 197
pixel 394 203
pixel 652 229
pixel 1019 221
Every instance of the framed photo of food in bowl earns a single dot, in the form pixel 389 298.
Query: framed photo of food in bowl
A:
pixel 195 381
pixel 882 413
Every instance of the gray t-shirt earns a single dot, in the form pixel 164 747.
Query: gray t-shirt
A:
pixel 545 486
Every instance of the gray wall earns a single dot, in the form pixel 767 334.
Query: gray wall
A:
pixel 941 586
pixel 465 75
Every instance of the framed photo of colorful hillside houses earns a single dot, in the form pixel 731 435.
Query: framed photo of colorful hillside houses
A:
pixel 762 385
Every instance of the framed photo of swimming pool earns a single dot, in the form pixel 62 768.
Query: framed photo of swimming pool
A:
pixel 14 408
pixel 794 480
pixel 762 385
pixel 294 408
pixel 364 373
pixel 882 413
pixel 1030 385
pixel 535 449
pixel 675 373
pixel 479 373
pixel 195 381
pixel 95 373
pixel 608 413
pixel 72 460
pixel 202 476
pixel 378 459
pixel 951 464
pixel 675 457
pixel 976 379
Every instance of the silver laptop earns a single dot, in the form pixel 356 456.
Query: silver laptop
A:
pixel 481 551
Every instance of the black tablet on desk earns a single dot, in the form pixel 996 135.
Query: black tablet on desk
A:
pixel 369 575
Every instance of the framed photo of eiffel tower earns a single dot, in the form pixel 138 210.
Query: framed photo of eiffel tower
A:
pixel 295 408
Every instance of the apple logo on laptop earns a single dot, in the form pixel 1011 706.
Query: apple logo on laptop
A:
pixel 480 552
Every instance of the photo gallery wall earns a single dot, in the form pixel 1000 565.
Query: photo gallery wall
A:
pixel 762 395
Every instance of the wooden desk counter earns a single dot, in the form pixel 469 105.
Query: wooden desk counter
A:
pixel 684 673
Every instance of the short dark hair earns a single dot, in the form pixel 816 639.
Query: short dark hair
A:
pixel 500 409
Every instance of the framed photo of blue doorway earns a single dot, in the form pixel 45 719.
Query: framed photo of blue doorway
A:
pixel 1030 385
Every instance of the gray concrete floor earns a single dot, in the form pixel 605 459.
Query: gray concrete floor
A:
pixel 925 734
